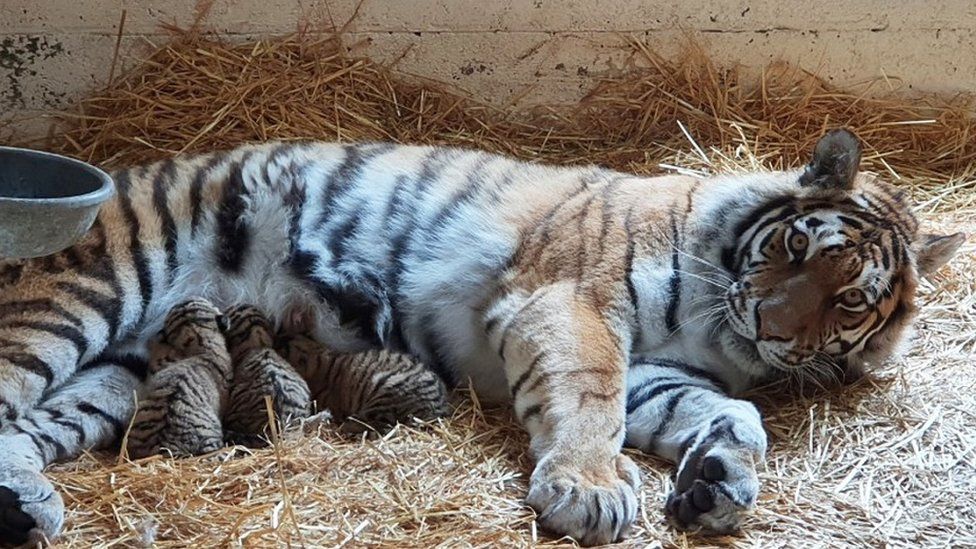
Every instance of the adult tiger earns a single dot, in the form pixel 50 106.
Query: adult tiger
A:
pixel 537 283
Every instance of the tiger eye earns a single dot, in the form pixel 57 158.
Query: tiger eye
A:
pixel 799 242
pixel 852 297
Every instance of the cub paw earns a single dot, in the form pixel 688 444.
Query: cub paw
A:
pixel 30 508
pixel 594 507
pixel 713 491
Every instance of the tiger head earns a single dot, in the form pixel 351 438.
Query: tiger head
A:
pixel 827 274
pixel 193 326
pixel 248 329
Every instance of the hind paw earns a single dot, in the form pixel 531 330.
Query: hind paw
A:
pixel 30 508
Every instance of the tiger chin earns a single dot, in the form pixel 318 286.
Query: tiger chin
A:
pixel 608 308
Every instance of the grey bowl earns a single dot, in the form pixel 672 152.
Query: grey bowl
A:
pixel 47 201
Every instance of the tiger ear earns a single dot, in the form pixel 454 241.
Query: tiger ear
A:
pixel 932 251
pixel 836 159
pixel 223 323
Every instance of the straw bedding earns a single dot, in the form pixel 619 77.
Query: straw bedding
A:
pixel 887 462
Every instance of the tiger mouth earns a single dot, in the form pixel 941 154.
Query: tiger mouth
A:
pixel 736 319
pixel 776 360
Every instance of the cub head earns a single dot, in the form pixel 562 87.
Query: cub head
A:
pixel 825 275
pixel 194 325
pixel 247 329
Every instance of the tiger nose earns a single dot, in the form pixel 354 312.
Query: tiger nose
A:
pixel 779 320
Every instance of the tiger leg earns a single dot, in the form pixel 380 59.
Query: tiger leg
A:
pixel 683 415
pixel 262 374
pixel 50 322
pixel 179 412
pixel 89 411
pixel 565 364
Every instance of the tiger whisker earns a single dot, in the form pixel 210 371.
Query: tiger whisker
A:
pixel 716 269
pixel 703 278
pixel 706 315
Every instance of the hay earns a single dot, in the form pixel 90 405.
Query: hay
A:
pixel 886 462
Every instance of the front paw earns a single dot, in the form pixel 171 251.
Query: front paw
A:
pixel 714 490
pixel 596 505
pixel 30 508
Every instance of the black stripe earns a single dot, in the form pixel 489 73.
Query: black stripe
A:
pixel 848 220
pixel 161 184
pixel 10 274
pixel 41 305
pixel 139 260
pixel 59 450
pixel 732 257
pixel 61 331
pixel 358 300
pixel 606 217
pixel 761 211
pixel 196 191
pixel 294 200
pixel 135 364
pixel 436 362
pixel 674 284
pixel 582 216
pixel 233 234
pixel 92 410
pixel 109 308
pixel 104 270
pixel 670 406
pixel 72 426
pixel 685 368
pixel 766 239
pixel 344 173
pixel 37 444
pixel 350 173
pixel 629 269
pixel 543 228
pixel 643 394
pixel 396 264
pixel 885 256
pixel 28 362
pixel 531 411
pixel 276 153
pixel 517 386
pixel 474 184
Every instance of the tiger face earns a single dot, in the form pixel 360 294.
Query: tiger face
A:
pixel 194 325
pixel 247 329
pixel 830 273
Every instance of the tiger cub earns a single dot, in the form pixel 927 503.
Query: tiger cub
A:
pixel 258 372
pixel 186 394
pixel 370 390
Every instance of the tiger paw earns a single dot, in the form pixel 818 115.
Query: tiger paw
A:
pixel 714 490
pixel 31 510
pixel 594 507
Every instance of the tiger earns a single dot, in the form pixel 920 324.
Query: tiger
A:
pixel 186 395
pixel 259 371
pixel 369 391
pixel 607 308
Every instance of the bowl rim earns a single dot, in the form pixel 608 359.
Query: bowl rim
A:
pixel 91 198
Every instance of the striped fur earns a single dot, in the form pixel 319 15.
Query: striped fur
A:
pixel 539 284
pixel 259 371
pixel 367 390
pixel 89 413
pixel 186 396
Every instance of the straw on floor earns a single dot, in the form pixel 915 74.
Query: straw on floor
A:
pixel 887 462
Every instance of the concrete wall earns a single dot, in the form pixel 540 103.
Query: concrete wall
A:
pixel 51 51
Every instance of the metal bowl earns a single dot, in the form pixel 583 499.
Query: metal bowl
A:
pixel 47 201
